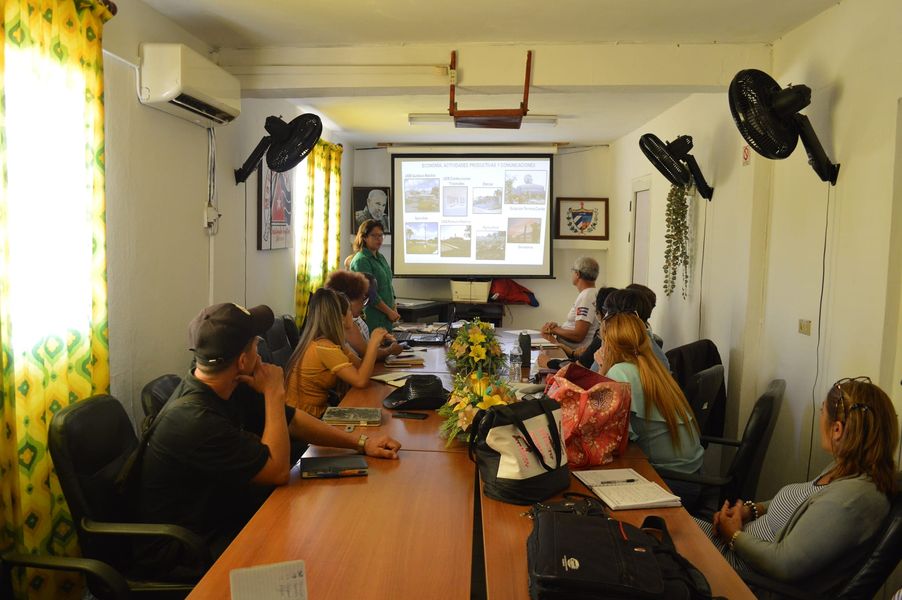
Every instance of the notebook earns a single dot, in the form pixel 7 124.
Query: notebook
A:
pixel 350 465
pixel 278 581
pixel 342 415
pixel 404 360
pixel 625 489
pixel 395 379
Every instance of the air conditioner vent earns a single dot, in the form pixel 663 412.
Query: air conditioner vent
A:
pixel 201 108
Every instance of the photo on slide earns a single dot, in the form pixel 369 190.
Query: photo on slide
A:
pixel 456 240
pixel 421 238
pixel 490 245
pixel 525 187
pixel 524 231
pixel 487 200
pixel 421 194
pixel 454 201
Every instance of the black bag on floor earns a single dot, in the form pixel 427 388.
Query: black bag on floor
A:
pixel 520 452
pixel 575 552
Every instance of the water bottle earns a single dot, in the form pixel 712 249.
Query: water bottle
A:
pixel 525 347
pixel 515 364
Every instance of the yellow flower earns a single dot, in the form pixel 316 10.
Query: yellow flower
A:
pixel 476 335
pixel 488 401
pixel 485 325
pixel 477 352
pixel 495 348
pixel 459 348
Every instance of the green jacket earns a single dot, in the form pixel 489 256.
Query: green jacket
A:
pixel 375 264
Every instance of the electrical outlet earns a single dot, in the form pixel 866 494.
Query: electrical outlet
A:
pixel 804 326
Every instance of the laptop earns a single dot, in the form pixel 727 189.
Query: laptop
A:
pixel 426 339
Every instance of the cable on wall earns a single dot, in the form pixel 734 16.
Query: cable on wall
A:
pixel 817 356
pixel 701 271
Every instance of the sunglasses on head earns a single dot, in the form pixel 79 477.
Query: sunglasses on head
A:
pixel 839 402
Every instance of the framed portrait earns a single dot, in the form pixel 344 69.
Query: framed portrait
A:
pixel 581 219
pixel 371 203
pixel 274 224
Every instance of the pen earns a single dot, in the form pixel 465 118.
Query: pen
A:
pixel 615 482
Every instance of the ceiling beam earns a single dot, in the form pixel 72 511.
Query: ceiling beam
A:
pixel 489 69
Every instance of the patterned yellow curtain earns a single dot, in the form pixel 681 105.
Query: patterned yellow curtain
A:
pixel 318 223
pixel 53 304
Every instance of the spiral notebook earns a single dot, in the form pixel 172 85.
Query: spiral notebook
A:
pixel 625 489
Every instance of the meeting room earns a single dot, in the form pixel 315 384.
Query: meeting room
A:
pixel 494 301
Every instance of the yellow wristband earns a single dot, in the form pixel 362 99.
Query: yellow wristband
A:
pixel 361 443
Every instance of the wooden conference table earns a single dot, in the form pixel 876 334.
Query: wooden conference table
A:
pixel 406 530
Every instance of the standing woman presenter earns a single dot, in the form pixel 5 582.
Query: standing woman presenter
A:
pixel 382 312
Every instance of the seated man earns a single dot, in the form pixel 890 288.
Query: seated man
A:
pixel 581 321
pixel 222 440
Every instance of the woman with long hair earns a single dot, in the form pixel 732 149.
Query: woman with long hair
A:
pixel 661 420
pixel 322 358
pixel 816 533
pixel 383 312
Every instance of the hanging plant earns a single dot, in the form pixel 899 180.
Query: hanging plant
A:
pixel 676 251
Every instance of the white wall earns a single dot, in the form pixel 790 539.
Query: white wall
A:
pixel 577 172
pixel 156 185
pixel 851 57
pixel 728 227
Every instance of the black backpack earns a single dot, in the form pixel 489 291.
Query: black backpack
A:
pixel 576 552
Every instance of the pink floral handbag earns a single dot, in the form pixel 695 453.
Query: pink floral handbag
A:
pixel 595 412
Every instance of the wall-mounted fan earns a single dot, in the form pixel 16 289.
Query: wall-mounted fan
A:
pixel 768 118
pixel 674 162
pixel 286 145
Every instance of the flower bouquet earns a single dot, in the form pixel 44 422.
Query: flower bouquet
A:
pixel 472 392
pixel 476 347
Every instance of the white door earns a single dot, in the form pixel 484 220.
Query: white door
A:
pixel 641 223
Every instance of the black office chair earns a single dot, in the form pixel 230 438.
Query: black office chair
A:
pixel 155 394
pixel 866 582
pixel 264 351
pixel 741 478
pixel 89 442
pixel 291 331
pixel 704 391
pixel 279 345
pixel 689 359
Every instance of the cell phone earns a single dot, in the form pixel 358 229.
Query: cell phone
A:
pixel 408 415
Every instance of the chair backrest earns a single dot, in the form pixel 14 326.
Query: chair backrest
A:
pixel 155 394
pixel 746 465
pixel 704 392
pixel 689 359
pixel 89 441
pixel 882 561
pixel 291 331
pixel 264 351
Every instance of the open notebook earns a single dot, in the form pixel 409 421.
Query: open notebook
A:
pixel 624 489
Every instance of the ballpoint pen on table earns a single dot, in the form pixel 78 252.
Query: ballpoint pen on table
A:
pixel 615 482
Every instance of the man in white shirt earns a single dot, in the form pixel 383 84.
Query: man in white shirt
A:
pixel 581 320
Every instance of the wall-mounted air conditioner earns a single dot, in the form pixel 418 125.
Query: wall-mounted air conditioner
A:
pixel 181 82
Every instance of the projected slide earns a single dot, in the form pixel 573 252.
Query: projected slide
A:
pixel 462 215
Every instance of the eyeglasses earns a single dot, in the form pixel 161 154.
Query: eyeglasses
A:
pixel 608 315
pixel 366 300
pixel 839 403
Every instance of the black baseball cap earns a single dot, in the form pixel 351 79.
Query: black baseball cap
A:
pixel 220 332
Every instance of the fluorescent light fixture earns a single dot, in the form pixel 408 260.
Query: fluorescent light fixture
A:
pixel 440 118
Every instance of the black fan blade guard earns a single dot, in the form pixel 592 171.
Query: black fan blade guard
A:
pixel 770 134
pixel 300 137
pixel 658 155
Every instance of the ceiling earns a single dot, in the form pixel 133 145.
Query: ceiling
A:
pixel 584 118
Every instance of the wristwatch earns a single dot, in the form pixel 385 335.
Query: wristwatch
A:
pixel 361 443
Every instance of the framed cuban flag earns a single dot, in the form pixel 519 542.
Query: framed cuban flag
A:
pixel 581 219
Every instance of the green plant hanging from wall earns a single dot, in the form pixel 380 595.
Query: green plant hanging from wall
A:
pixel 676 251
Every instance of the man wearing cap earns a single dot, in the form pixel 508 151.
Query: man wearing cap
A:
pixel 222 439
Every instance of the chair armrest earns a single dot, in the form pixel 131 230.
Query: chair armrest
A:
pixel 100 571
pixel 783 590
pixel 712 480
pixel 187 538
pixel 710 439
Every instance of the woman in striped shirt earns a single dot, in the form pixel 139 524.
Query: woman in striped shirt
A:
pixel 815 534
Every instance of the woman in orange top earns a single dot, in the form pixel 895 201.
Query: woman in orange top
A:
pixel 322 356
